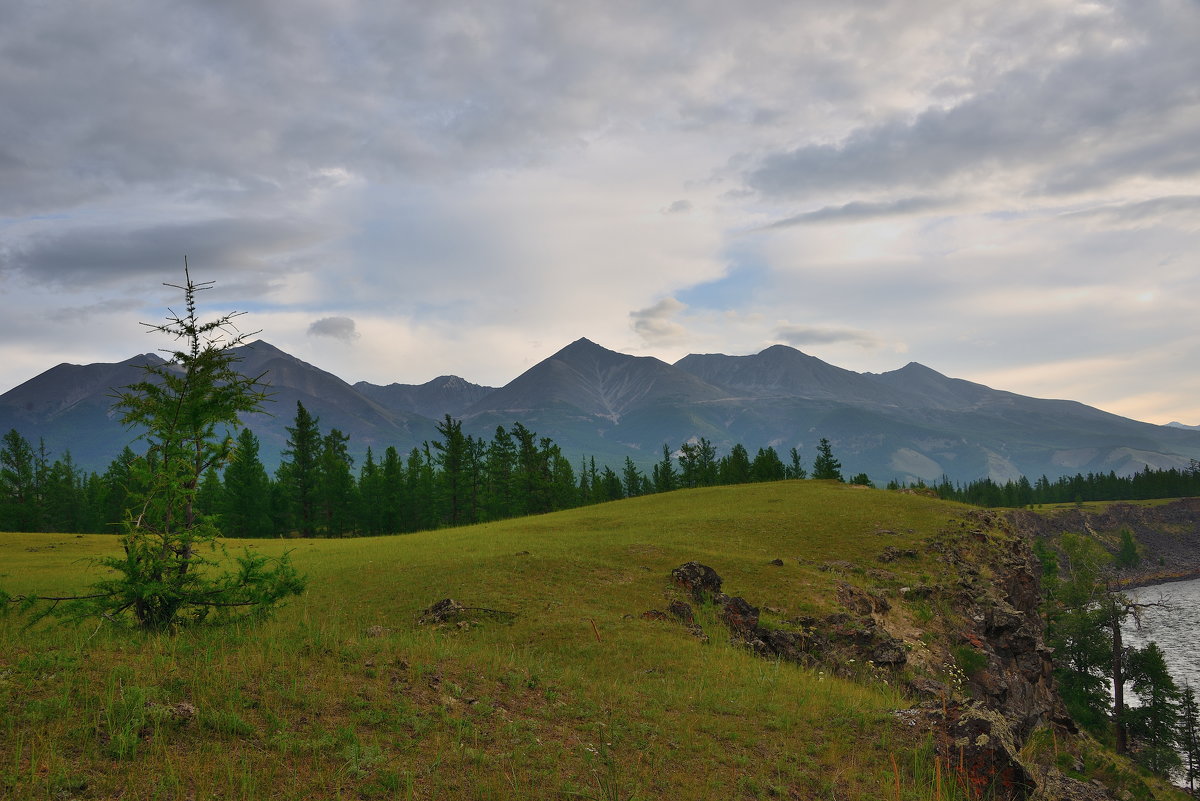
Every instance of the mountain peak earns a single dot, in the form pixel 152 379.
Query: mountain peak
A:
pixel 583 345
pixel 583 353
pixel 781 349
pixel 916 368
pixel 596 381
pixel 261 349
pixel 136 361
pixel 263 345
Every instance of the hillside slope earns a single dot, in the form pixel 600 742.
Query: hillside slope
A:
pixel 571 672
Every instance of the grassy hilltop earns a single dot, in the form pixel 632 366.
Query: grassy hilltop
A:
pixel 575 695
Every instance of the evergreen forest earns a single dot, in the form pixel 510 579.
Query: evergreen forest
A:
pixel 319 491
pixel 1143 485
pixel 459 479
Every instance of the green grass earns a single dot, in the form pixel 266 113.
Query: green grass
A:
pixel 575 697
pixel 1100 506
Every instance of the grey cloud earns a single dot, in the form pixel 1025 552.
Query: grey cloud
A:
pixel 656 325
pixel 250 99
pixel 91 311
pixel 341 328
pixel 799 335
pixel 243 97
pixel 1105 112
pixel 92 257
pixel 1154 210
pixel 678 207
pixel 859 210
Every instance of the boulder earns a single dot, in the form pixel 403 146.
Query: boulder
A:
pixel 441 612
pixel 988 755
pixel 681 612
pixel 700 581
pixel 739 616
pixel 861 602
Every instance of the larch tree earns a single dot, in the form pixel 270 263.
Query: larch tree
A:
pixel 734 468
pixel 166 575
pixel 18 492
pixel 664 476
pixel 767 466
pixel 632 479
pixel 454 480
pixel 247 500
pixel 336 489
pixel 1189 736
pixel 825 466
pixel 795 469
pixel 299 473
pixel 1153 726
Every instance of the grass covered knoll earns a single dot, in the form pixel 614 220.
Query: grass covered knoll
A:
pixel 343 696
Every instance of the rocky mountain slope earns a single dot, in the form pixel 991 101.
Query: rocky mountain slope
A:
pixel 446 394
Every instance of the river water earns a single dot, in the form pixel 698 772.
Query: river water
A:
pixel 1175 627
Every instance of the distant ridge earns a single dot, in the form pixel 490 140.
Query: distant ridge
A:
pixel 907 424
pixel 446 394
pixel 782 371
pixel 65 386
pixel 936 390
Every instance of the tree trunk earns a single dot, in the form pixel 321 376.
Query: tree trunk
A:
pixel 1118 672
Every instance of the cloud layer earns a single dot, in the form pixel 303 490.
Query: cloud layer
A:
pixel 1000 190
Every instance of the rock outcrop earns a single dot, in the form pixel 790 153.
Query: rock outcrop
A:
pixel 1011 692
pixel 980 725
pixel 1168 535
pixel 838 640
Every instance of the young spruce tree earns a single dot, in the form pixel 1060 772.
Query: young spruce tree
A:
pixel 185 408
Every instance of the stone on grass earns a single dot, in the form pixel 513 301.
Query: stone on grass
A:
pixel 700 581
pixel 444 610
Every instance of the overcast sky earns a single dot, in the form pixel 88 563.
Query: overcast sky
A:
pixel 1004 191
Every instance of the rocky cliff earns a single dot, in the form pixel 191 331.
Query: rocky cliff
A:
pixel 1167 534
pixel 969 647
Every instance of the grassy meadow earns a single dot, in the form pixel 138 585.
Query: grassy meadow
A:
pixel 342 695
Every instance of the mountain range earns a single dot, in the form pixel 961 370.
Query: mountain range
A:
pixel 906 424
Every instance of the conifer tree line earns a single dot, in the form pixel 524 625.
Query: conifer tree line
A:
pixel 458 479
pixel 1084 612
pixel 1142 485
pixel 319 490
